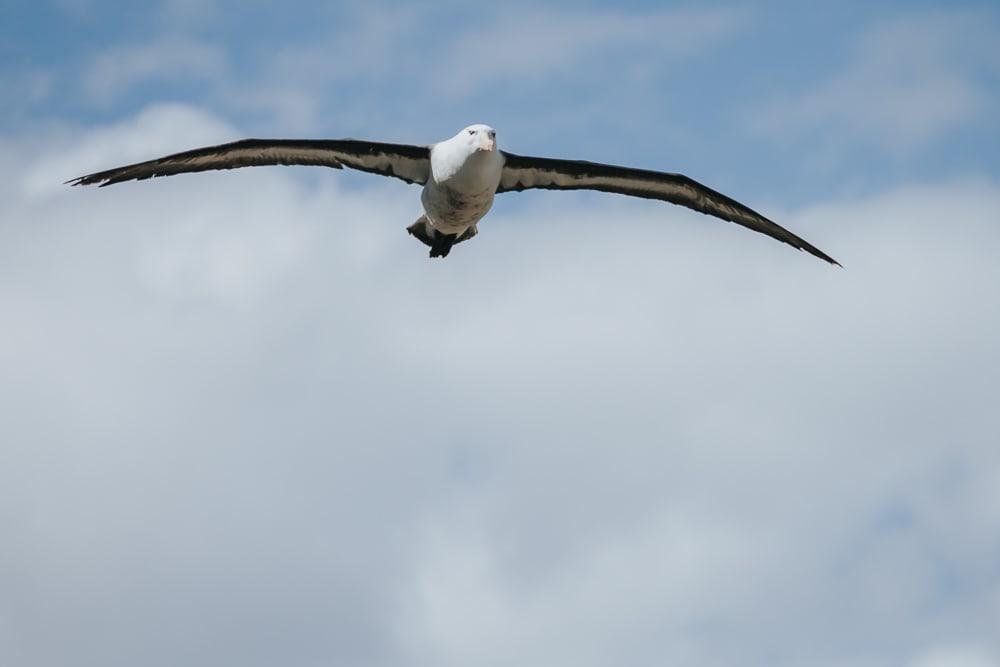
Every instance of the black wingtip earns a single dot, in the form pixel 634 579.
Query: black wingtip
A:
pixel 81 180
pixel 816 252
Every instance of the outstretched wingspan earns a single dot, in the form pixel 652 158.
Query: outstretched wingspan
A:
pixel 409 163
pixel 522 173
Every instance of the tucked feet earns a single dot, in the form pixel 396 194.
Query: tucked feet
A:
pixel 421 231
pixel 440 244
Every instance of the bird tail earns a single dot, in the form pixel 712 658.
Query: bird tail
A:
pixel 439 243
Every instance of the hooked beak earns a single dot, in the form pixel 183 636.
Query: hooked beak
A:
pixel 487 144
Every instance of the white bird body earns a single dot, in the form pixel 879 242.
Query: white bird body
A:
pixel 460 177
pixel 465 173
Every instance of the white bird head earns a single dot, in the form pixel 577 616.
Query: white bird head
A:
pixel 478 138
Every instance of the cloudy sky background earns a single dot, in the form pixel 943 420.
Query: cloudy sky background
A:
pixel 245 420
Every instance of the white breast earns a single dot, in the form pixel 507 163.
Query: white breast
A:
pixel 461 188
pixel 463 169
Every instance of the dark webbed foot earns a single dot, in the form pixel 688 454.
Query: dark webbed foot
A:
pixel 440 244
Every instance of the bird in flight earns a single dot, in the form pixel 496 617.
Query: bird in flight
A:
pixel 460 177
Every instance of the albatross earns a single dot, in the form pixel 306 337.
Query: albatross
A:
pixel 460 177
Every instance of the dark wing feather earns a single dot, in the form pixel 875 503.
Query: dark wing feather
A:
pixel 409 163
pixel 522 173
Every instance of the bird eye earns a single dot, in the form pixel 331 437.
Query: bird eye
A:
pixel 472 131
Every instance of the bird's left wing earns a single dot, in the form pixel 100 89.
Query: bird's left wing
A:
pixel 409 163
pixel 522 173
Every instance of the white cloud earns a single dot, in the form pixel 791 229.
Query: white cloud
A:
pixel 118 68
pixel 419 54
pixel 956 656
pixel 909 81
pixel 532 44
pixel 25 90
pixel 248 421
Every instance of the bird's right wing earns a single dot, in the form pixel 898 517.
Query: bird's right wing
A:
pixel 409 163
pixel 522 172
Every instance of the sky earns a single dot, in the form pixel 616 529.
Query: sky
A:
pixel 247 421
